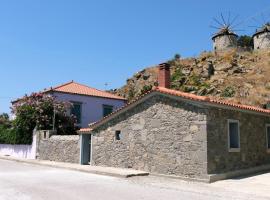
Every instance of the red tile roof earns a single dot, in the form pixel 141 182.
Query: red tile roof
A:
pixel 186 96
pixel 84 130
pixel 77 88
pixel 211 100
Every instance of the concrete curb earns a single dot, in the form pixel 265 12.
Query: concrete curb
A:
pixel 239 173
pixel 105 171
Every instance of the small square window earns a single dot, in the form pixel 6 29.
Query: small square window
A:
pixel 118 135
pixel 268 137
pixel 233 136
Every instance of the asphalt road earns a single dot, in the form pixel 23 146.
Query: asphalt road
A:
pixel 31 182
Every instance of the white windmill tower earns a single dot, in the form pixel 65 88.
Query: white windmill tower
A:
pixel 225 38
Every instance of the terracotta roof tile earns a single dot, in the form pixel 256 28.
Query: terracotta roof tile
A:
pixel 186 96
pixel 211 100
pixel 77 88
pixel 84 130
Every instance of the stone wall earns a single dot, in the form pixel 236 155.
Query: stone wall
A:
pixel 262 41
pixel 162 136
pixel 225 42
pixel 253 151
pixel 60 149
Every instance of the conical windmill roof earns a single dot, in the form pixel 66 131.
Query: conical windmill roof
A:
pixel 265 28
pixel 224 31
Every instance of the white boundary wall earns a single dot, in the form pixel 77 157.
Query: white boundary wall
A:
pixel 20 151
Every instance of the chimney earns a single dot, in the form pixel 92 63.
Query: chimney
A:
pixel 164 75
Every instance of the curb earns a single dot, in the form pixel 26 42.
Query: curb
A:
pixel 104 171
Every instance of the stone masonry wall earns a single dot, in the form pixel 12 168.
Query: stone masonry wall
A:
pixel 225 42
pixel 253 150
pixel 60 149
pixel 262 41
pixel 162 136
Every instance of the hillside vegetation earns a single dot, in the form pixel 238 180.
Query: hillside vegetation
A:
pixel 238 76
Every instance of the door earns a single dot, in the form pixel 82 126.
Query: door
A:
pixel 85 149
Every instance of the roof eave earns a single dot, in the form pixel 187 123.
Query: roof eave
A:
pixel 198 100
pixel 120 99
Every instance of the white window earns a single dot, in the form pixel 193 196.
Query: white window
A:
pixel 268 137
pixel 233 136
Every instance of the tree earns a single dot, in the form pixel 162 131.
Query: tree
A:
pixel 43 112
pixel 177 56
pixel 4 119
pixel 245 41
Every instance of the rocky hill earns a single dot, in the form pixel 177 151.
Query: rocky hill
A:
pixel 238 76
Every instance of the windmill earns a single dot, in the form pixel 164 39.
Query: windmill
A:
pixel 225 37
pixel 261 37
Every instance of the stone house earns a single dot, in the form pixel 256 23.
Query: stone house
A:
pixel 89 104
pixel 179 134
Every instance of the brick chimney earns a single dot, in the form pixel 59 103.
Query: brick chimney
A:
pixel 164 75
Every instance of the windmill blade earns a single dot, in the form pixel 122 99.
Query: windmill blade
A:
pixel 234 19
pixel 254 26
pixel 223 19
pixel 211 26
pixel 217 22
pixel 237 24
pixel 229 18
pixel 263 17
pixel 254 19
pixel 238 30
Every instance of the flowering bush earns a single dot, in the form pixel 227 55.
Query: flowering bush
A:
pixel 43 112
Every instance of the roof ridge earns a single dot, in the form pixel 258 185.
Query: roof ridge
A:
pixel 211 100
pixel 62 85
pixel 91 88
pixel 185 95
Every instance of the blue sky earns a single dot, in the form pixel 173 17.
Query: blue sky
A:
pixel 46 43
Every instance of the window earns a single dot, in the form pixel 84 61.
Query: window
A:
pixel 268 137
pixel 234 136
pixel 107 109
pixel 76 110
pixel 118 135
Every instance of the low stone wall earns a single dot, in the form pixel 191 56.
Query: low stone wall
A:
pixel 19 151
pixel 59 148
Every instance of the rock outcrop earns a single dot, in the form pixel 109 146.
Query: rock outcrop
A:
pixel 242 77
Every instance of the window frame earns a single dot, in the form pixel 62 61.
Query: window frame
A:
pixel 103 109
pixel 117 135
pixel 233 150
pixel 78 103
pixel 267 141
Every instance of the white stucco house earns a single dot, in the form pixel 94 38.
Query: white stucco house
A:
pixel 89 104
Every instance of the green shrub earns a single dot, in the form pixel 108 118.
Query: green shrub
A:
pixel 4 120
pixel 146 88
pixel 177 56
pixel 7 135
pixel 177 75
pixel 245 41
pixel 228 92
pixel 131 94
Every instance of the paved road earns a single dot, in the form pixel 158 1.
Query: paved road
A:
pixel 30 182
